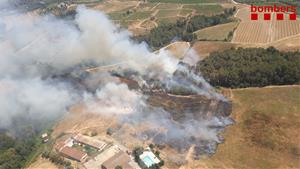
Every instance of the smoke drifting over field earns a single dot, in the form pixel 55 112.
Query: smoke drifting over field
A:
pixel 40 47
pixel 40 54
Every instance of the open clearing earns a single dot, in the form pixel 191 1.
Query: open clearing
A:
pixel 287 44
pixel 178 49
pixel 266 133
pixel 42 163
pixel 218 32
pixel 204 48
pixel 166 13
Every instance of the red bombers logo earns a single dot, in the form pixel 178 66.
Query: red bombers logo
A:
pixel 279 11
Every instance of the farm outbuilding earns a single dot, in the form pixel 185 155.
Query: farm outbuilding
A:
pixel 73 154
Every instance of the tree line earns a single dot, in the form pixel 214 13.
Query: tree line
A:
pixel 251 67
pixel 183 29
pixel 57 159
pixel 14 152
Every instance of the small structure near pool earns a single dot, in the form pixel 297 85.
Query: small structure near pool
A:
pixel 149 158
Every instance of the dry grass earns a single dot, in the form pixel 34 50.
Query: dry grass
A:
pixel 218 32
pixel 288 44
pixel 266 133
pixel 204 48
pixel 178 49
pixel 42 163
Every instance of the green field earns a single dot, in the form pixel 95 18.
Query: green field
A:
pixel 217 33
pixel 146 6
pixel 117 15
pixel 167 13
pixel 167 20
pixel 185 12
pixel 266 133
pixel 126 23
pixel 139 15
pixel 168 6
pixel 132 16
pixel 205 9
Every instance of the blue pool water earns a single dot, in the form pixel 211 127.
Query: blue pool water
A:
pixel 147 160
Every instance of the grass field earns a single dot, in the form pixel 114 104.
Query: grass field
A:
pixel 168 6
pixel 117 15
pixel 266 133
pixel 132 16
pixel 139 15
pixel 147 6
pixel 167 20
pixel 204 48
pixel 218 33
pixel 167 13
pixel 205 9
pixel 185 12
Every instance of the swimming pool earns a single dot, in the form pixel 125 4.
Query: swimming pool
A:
pixel 148 161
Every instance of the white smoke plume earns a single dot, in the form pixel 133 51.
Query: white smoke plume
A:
pixel 114 99
pixel 35 49
pixel 34 98
pixel 44 41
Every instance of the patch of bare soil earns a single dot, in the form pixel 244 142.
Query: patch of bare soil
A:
pixel 42 163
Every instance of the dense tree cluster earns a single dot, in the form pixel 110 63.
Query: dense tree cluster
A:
pixel 14 152
pixel 57 159
pixel 251 67
pixel 201 21
pixel 183 29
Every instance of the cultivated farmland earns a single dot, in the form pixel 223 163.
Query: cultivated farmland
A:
pixel 261 31
pixel 137 16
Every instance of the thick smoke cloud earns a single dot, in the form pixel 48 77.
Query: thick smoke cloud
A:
pixel 114 99
pixel 36 50
pixel 33 98
pixel 32 44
